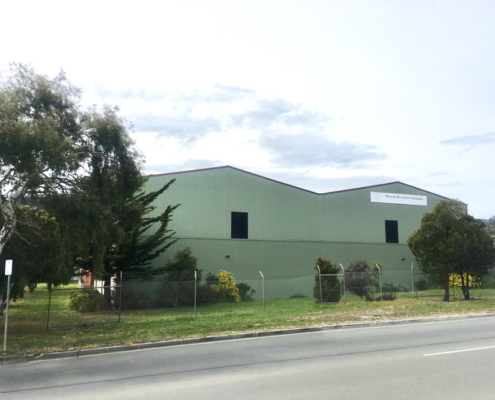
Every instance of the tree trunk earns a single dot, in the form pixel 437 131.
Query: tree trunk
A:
pixel 107 291
pixel 465 287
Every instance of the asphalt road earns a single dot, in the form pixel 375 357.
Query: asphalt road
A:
pixel 433 360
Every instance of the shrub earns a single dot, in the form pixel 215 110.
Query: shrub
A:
pixel 360 279
pixel 86 300
pixel 245 291
pixel 299 296
pixel 421 285
pixel 205 293
pixel 330 285
pixel 178 285
pixel 488 280
pixel 391 287
pixel 177 293
pixel 183 266
pixel 226 288
pixel 389 296
pixel 130 300
pixel 455 281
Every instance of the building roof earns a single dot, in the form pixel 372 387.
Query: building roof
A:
pixel 292 186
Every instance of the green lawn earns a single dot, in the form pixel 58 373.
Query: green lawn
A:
pixel 28 316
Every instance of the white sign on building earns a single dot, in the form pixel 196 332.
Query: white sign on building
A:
pixel 396 198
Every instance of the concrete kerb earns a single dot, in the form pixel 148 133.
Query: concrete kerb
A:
pixel 244 335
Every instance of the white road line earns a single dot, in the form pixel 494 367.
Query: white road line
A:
pixel 459 351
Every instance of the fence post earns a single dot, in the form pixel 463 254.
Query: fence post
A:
pixel 319 279
pixel 380 281
pixel 263 289
pixel 195 284
pixel 412 277
pixel 120 296
pixel 49 303
pixel 343 275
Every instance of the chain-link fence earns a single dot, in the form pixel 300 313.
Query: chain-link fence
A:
pixel 171 292
pixel 167 292
pixel 83 306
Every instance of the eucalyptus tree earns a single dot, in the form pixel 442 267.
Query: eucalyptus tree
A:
pixel 39 140
pixel 82 169
pixel 449 241
pixel 79 165
pixel 90 215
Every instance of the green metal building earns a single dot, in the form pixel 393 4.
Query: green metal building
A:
pixel 244 223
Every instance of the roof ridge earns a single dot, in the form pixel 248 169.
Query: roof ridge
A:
pixel 293 186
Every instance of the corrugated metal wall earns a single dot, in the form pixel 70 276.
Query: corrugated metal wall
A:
pixel 288 227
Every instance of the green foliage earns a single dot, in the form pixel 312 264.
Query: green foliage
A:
pixel 130 300
pixel 330 285
pixel 205 293
pixel 101 198
pixel 390 290
pixel 421 285
pixel 245 291
pixel 39 154
pixel 183 266
pixel 391 287
pixel 138 248
pixel 451 241
pixel 178 285
pixel 38 250
pixel 490 227
pixel 360 279
pixel 81 167
pixel 298 296
pixel 488 280
pixel 86 300
pixel 389 296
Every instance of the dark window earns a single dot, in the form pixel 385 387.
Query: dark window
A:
pixel 391 232
pixel 239 225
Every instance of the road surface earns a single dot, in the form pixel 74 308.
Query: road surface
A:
pixel 432 360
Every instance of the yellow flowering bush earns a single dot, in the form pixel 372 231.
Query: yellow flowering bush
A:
pixel 226 287
pixel 456 283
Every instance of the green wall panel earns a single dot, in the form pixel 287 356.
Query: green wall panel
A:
pixel 288 227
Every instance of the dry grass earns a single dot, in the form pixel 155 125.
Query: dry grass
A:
pixel 27 319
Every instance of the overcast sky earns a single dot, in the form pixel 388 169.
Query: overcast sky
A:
pixel 324 95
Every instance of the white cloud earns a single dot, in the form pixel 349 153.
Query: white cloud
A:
pixel 382 89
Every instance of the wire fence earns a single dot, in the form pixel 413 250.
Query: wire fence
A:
pixel 164 291
pixel 167 292
pixel 388 285
pixel 83 306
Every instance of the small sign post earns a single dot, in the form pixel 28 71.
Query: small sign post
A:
pixel 8 272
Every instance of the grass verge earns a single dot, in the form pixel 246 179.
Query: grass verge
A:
pixel 27 332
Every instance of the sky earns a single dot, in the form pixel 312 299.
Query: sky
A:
pixel 323 95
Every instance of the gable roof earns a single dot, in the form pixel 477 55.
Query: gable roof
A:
pixel 292 186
